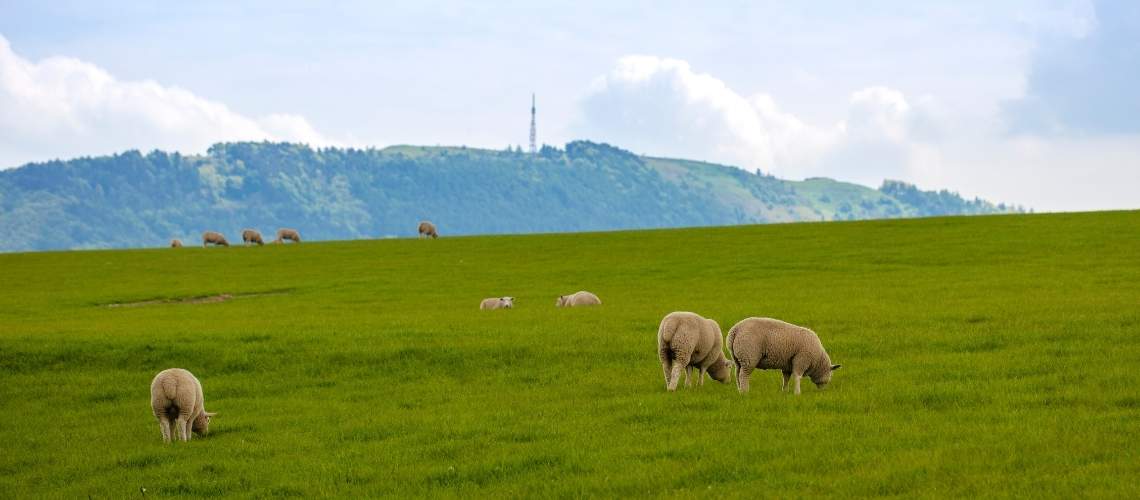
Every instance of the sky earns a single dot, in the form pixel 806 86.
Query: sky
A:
pixel 1030 102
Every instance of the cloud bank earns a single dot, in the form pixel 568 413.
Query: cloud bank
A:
pixel 661 106
pixel 1085 83
pixel 62 107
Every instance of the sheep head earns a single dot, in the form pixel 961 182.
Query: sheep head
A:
pixel 721 371
pixel 822 380
pixel 201 425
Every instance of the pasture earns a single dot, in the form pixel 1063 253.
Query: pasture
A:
pixel 982 356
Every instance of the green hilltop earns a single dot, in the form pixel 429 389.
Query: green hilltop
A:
pixel 132 200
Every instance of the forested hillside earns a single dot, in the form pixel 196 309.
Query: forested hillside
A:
pixel 132 199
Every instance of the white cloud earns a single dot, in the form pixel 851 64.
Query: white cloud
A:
pixel 1084 83
pixel 661 107
pixel 878 113
pixel 62 107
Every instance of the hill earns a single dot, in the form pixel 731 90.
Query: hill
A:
pixel 136 200
pixel 982 357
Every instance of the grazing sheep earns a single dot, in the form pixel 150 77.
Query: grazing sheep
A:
pixel 686 341
pixel 214 238
pixel 497 303
pixel 175 243
pixel 771 344
pixel 582 298
pixel 287 234
pixel 175 395
pixel 250 236
pixel 428 229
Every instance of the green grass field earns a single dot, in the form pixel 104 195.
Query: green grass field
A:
pixel 984 356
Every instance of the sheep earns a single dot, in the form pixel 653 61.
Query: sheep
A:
pixel 250 236
pixel 287 234
pixel 582 298
pixel 214 238
pixel 687 341
pixel 176 395
pixel 175 243
pixel 427 229
pixel 497 303
pixel 771 344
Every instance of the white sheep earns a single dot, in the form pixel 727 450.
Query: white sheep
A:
pixel 771 344
pixel 175 395
pixel 251 236
pixel 214 238
pixel 175 243
pixel 497 303
pixel 687 341
pixel 427 230
pixel 287 234
pixel 582 298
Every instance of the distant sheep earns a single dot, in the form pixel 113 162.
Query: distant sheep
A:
pixel 176 243
pixel 250 236
pixel 214 238
pixel 582 298
pixel 287 234
pixel 771 344
pixel 687 341
pixel 427 229
pixel 176 396
pixel 497 303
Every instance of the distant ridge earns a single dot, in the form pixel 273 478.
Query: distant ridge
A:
pixel 136 200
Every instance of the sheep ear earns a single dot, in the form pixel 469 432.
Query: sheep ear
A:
pixel 211 414
pixel 836 367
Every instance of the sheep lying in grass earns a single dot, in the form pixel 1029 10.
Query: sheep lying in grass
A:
pixel 287 234
pixel 175 395
pixel 771 344
pixel 497 303
pixel 250 236
pixel 214 238
pixel 582 298
pixel 686 341
pixel 427 229
pixel 175 243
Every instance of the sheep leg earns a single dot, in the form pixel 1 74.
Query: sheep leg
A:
pixel 164 426
pixel 183 426
pixel 680 363
pixel 187 428
pixel 177 432
pixel 701 377
pixel 666 364
pixel 742 375
pixel 784 385
pixel 799 366
pixel 688 371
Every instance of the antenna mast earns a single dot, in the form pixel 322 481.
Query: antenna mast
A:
pixel 533 147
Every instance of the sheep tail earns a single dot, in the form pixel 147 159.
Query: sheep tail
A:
pixel 667 331
pixel 728 343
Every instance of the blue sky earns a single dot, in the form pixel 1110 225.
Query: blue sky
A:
pixel 1029 102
